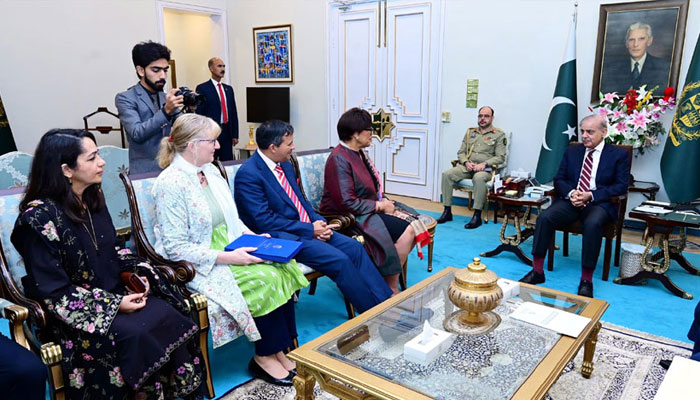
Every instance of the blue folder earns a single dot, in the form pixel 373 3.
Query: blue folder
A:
pixel 273 249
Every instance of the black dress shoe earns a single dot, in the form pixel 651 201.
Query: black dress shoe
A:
pixel 585 288
pixel 533 278
pixel 665 364
pixel 446 216
pixel 474 223
pixel 258 372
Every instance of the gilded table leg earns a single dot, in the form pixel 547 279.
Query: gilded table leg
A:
pixel 304 384
pixel 589 351
pixel 431 231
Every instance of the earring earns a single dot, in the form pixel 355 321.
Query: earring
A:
pixel 70 181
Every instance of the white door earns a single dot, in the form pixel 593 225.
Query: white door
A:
pixel 386 55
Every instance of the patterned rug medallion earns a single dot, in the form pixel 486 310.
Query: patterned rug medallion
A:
pixel 626 368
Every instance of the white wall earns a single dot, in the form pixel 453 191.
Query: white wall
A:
pixel 514 48
pixel 188 36
pixel 308 93
pixel 60 60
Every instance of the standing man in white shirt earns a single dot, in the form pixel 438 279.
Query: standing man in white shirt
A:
pixel 220 105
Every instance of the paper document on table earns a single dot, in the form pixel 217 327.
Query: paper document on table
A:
pixel 652 210
pixel 657 203
pixel 557 320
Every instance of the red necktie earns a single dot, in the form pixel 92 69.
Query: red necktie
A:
pixel 584 182
pixel 303 216
pixel 223 103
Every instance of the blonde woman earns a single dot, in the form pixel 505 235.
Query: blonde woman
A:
pixel 195 219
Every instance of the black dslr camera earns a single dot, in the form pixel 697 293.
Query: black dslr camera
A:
pixel 190 98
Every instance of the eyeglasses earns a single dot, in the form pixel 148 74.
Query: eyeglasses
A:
pixel 210 141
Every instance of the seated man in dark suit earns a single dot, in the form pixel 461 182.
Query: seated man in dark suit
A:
pixel 220 105
pixel 638 67
pixel 589 175
pixel 269 200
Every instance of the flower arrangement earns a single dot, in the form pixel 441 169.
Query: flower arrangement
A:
pixel 634 119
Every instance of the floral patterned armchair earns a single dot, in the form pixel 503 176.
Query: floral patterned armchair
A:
pixel 117 160
pixel 142 209
pixel 14 169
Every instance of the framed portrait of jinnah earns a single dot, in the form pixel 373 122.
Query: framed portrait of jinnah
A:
pixel 273 54
pixel 639 43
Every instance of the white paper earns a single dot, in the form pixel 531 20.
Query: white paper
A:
pixel 427 334
pixel 680 381
pixel 652 210
pixel 497 182
pixel 657 203
pixel 557 320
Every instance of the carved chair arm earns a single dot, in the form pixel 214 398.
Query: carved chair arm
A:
pixel 344 221
pixel 16 315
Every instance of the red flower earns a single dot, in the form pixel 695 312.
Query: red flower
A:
pixel 668 92
pixel 630 100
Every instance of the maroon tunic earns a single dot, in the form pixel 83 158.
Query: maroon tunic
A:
pixel 349 188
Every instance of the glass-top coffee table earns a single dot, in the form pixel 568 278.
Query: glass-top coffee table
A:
pixel 363 358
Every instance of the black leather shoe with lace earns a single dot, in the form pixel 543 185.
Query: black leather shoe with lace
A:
pixel 585 288
pixel 533 278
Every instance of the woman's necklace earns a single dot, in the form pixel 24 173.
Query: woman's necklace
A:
pixel 202 178
pixel 93 237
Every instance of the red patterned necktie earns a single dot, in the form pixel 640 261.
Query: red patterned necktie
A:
pixel 303 216
pixel 222 96
pixel 584 182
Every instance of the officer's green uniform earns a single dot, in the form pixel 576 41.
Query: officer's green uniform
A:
pixel 489 147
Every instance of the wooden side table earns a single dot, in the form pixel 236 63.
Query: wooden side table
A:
pixel 517 210
pixel 655 266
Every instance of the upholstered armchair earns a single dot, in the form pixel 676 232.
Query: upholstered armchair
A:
pixel 142 208
pixel 117 161
pixel 14 169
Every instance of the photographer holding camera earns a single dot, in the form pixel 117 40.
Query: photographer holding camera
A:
pixel 147 112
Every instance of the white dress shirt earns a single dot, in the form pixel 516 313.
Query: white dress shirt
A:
pixel 594 169
pixel 270 164
pixel 641 63
pixel 216 89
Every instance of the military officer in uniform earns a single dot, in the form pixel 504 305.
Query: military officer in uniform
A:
pixel 482 148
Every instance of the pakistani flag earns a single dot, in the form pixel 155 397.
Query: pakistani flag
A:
pixel 680 163
pixel 561 125
pixel 7 142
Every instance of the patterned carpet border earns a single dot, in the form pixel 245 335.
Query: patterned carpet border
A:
pixel 626 367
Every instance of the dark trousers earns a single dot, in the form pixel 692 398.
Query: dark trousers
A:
pixel 225 153
pixel 277 329
pixel 694 334
pixel 22 375
pixel 561 214
pixel 346 262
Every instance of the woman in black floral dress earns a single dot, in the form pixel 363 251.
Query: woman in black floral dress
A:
pixel 115 344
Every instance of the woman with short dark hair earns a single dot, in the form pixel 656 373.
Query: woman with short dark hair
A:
pixel 116 344
pixel 352 185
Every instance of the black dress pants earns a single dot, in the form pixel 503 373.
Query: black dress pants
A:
pixel 561 214
pixel 277 329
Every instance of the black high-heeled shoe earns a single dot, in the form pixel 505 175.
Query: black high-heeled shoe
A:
pixel 258 372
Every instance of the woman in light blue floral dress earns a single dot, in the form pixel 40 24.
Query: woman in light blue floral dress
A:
pixel 195 219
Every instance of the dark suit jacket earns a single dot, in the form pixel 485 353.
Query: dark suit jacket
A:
pixel 265 207
pixel 612 177
pixel 618 75
pixel 212 109
pixel 144 125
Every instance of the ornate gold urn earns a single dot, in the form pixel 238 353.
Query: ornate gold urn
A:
pixel 475 291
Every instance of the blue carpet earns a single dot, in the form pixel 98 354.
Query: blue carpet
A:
pixel 650 308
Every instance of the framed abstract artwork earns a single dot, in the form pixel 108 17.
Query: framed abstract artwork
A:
pixel 639 43
pixel 273 54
